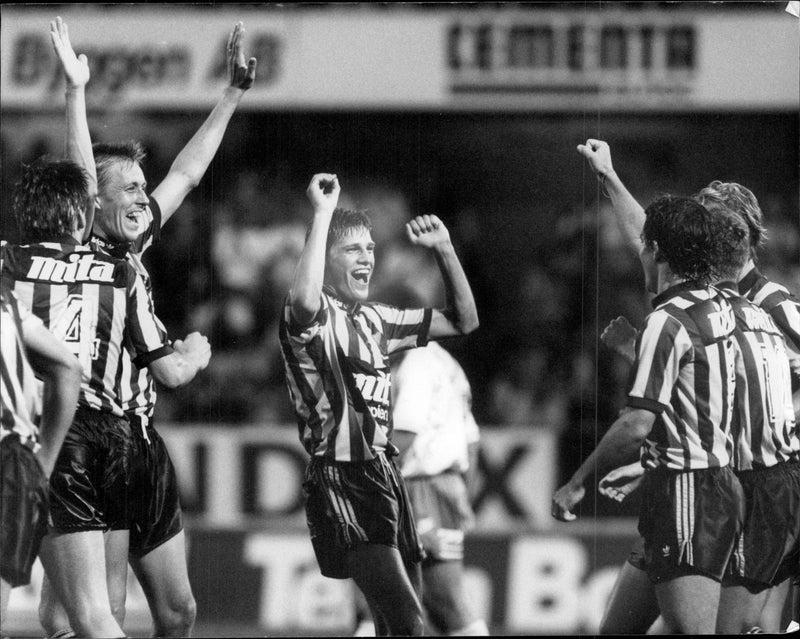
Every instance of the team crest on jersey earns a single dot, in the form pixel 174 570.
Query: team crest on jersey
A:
pixel 78 268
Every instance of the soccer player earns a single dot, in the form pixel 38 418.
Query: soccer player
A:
pixel 31 433
pixel 775 441
pixel 98 306
pixel 335 345
pixel 127 223
pixel 678 415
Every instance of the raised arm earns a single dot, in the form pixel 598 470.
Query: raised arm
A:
pixel 460 316
pixel 619 446
pixel 190 356
pixel 629 213
pixel 78 141
pixel 191 163
pixel 61 372
pixel 306 290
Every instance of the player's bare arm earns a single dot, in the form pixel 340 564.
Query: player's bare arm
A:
pixel 78 140
pixel 621 482
pixel 190 356
pixel 191 163
pixel 629 213
pixel 61 373
pixel 619 446
pixel 460 316
pixel 306 289
pixel 620 337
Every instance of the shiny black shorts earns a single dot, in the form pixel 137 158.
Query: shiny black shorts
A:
pixel 89 485
pixel 23 510
pixel 351 503
pixel 768 550
pixel 153 500
pixel 690 522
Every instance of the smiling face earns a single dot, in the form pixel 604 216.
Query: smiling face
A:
pixel 122 201
pixel 349 265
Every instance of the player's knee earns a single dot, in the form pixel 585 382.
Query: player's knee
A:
pixel 52 617
pixel 177 618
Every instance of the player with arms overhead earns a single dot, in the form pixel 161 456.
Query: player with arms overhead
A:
pixel 127 223
pixel 336 345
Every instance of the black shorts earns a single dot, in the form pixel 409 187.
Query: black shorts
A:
pixel 23 510
pixel 352 503
pixel 153 499
pixel 689 521
pixel 89 485
pixel 441 508
pixel 768 549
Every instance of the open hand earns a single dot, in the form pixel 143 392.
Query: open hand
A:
pixel 621 482
pixel 76 68
pixel 241 75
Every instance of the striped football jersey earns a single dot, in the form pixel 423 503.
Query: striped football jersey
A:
pixel 95 303
pixel 684 372
pixel 782 305
pixel 137 386
pixel 763 424
pixel 20 400
pixel 338 375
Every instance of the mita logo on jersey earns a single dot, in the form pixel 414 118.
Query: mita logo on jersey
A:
pixel 375 390
pixel 79 268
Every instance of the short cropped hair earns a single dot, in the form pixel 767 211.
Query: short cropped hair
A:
pixel 107 155
pixel 697 245
pixel 344 222
pixel 742 202
pixel 48 197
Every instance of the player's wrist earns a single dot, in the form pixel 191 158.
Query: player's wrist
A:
pixel 603 175
pixel 233 93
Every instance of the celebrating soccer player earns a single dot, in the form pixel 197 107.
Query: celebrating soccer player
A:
pixel 678 415
pixel 336 345
pixel 128 222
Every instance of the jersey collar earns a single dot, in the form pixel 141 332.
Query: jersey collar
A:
pixel 677 289
pixel 115 249
pixel 348 308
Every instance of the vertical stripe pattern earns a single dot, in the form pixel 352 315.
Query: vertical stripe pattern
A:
pixel 685 373
pixel 338 376
pixel 95 304
pixel 19 389
pixel 763 423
